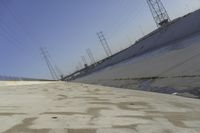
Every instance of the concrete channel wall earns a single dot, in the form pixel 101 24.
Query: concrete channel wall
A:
pixel 176 30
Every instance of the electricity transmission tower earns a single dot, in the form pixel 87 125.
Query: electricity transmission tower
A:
pixel 58 70
pixel 104 43
pixel 48 62
pixel 158 12
pixel 90 55
pixel 84 61
pixel 80 65
pixel 77 68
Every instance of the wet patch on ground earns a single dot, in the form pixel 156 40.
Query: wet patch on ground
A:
pixel 81 130
pixel 24 127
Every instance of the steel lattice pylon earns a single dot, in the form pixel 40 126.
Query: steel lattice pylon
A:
pixel 159 12
pixel 90 55
pixel 104 43
pixel 45 55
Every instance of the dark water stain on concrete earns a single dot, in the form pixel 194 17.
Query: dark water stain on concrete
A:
pixel 81 130
pixel 92 98
pixel 133 127
pixel 62 97
pixel 23 127
pixel 177 118
pixel 95 111
pixel 65 113
pixel 124 105
pixel 11 114
pixel 101 102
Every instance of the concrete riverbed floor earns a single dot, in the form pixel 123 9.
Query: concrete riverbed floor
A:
pixel 60 107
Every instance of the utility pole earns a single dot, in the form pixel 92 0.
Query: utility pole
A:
pixel 104 43
pixel 90 55
pixel 49 65
pixel 158 12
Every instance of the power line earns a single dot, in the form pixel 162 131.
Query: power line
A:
pixel 16 18
pixel 11 33
pixel 131 19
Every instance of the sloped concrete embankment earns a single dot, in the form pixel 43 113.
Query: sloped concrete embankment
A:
pixel 173 69
pixel 179 29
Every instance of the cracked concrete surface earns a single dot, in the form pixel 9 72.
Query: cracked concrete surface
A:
pixel 79 108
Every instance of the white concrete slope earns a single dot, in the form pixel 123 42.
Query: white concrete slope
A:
pixel 177 65
pixel 79 108
pixel 174 31
pixel 176 59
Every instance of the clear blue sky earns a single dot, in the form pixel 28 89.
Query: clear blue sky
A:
pixel 68 27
